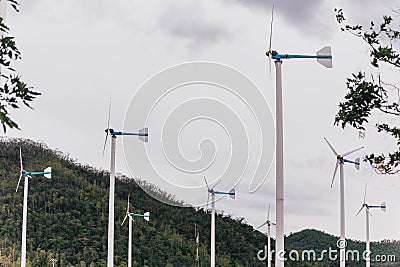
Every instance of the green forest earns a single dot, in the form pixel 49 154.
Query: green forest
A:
pixel 68 215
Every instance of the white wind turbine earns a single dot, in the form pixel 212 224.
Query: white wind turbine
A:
pixel 323 57
pixel 212 192
pixel 130 216
pixel 268 223
pixel 46 173
pixel 367 214
pixel 340 160
pixel 143 135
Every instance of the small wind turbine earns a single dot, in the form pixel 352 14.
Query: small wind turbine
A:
pixel 323 57
pixel 46 173
pixel 367 214
pixel 143 135
pixel 212 192
pixel 268 223
pixel 130 216
pixel 53 261
pixel 340 160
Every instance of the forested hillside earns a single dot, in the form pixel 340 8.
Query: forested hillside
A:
pixel 68 215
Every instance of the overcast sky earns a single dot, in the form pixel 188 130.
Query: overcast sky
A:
pixel 79 53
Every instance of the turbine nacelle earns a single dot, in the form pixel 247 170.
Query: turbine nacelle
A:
pixel 109 131
pixel 323 56
pixel 145 216
pixel 368 207
pixel 129 215
pixel 211 191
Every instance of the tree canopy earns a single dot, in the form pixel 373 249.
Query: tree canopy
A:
pixel 373 93
pixel 13 90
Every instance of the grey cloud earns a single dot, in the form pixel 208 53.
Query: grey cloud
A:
pixel 305 14
pixel 191 24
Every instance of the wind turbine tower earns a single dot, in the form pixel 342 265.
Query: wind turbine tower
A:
pixel 324 57
pixel 46 173
pixel 367 214
pixel 212 192
pixel 130 216
pixel 340 161
pixel 268 223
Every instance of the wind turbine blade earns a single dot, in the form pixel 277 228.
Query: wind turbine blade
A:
pixel 19 180
pixel 127 206
pixel 105 141
pixel 333 150
pixel 270 68
pixel 365 193
pixel 326 62
pixel 207 185
pixel 270 42
pixel 124 219
pixel 352 151
pixel 367 210
pixel 208 199
pixel 108 126
pixel 334 172
pixel 261 225
pixel 109 115
pixel 269 207
pixel 20 159
pixel 360 210
pixel 270 30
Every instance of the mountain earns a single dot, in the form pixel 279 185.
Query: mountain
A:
pixel 68 216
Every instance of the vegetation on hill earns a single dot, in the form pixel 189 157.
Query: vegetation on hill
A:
pixel 68 216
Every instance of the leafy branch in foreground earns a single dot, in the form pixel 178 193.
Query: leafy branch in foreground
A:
pixel 13 90
pixel 369 95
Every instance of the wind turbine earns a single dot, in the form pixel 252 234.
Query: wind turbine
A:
pixel 340 161
pixel 212 192
pixel 323 57
pixel 130 216
pixel 268 223
pixel 46 173
pixel 367 214
pixel 143 135
pixel 53 261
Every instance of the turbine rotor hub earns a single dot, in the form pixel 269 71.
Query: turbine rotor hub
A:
pixel 271 52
